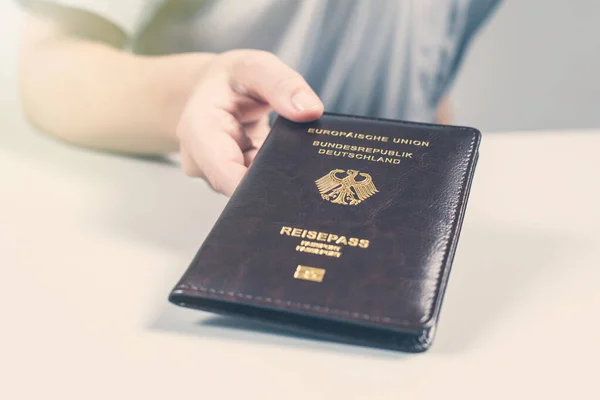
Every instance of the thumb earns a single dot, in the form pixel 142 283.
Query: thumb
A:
pixel 264 76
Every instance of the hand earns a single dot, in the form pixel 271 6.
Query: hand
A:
pixel 225 121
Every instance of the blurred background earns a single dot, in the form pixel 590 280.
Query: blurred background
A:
pixel 533 67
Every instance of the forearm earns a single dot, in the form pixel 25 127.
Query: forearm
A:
pixel 94 95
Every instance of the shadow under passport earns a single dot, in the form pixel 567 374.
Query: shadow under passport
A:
pixel 172 319
pixel 241 326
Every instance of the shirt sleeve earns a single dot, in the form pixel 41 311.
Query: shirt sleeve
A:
pixel 479 12
pixel 128 15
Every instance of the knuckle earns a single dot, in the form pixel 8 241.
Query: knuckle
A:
pixel 182 129
pixel 226 120
pixel 223 121
pixel 228 56
pixel 217 177
pixel 189 168
pixel 257 58
pixel 223 61
pixel 216 184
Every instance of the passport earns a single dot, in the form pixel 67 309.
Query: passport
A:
pixel 344 228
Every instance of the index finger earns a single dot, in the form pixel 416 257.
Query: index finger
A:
pixel 264 76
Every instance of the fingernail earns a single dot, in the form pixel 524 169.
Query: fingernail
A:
pixel 305 101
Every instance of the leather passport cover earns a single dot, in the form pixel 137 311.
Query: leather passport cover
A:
pixel 344 228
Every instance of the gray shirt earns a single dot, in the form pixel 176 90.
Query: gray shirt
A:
pixel 380 58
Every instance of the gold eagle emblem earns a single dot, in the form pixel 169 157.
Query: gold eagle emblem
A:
pixel 346 190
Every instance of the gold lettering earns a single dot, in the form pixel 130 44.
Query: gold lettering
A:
pixel 369 136
pixel 411 142
pixel 326 248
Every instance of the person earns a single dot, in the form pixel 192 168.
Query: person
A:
pixel 200 78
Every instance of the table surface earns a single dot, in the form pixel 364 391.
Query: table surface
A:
pixel 91 244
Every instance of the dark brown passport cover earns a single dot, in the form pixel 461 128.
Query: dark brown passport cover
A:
pixel 345 227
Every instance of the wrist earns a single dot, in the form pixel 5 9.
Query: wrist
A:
pixel 171 81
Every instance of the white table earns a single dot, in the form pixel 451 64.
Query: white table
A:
pixel 91 244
